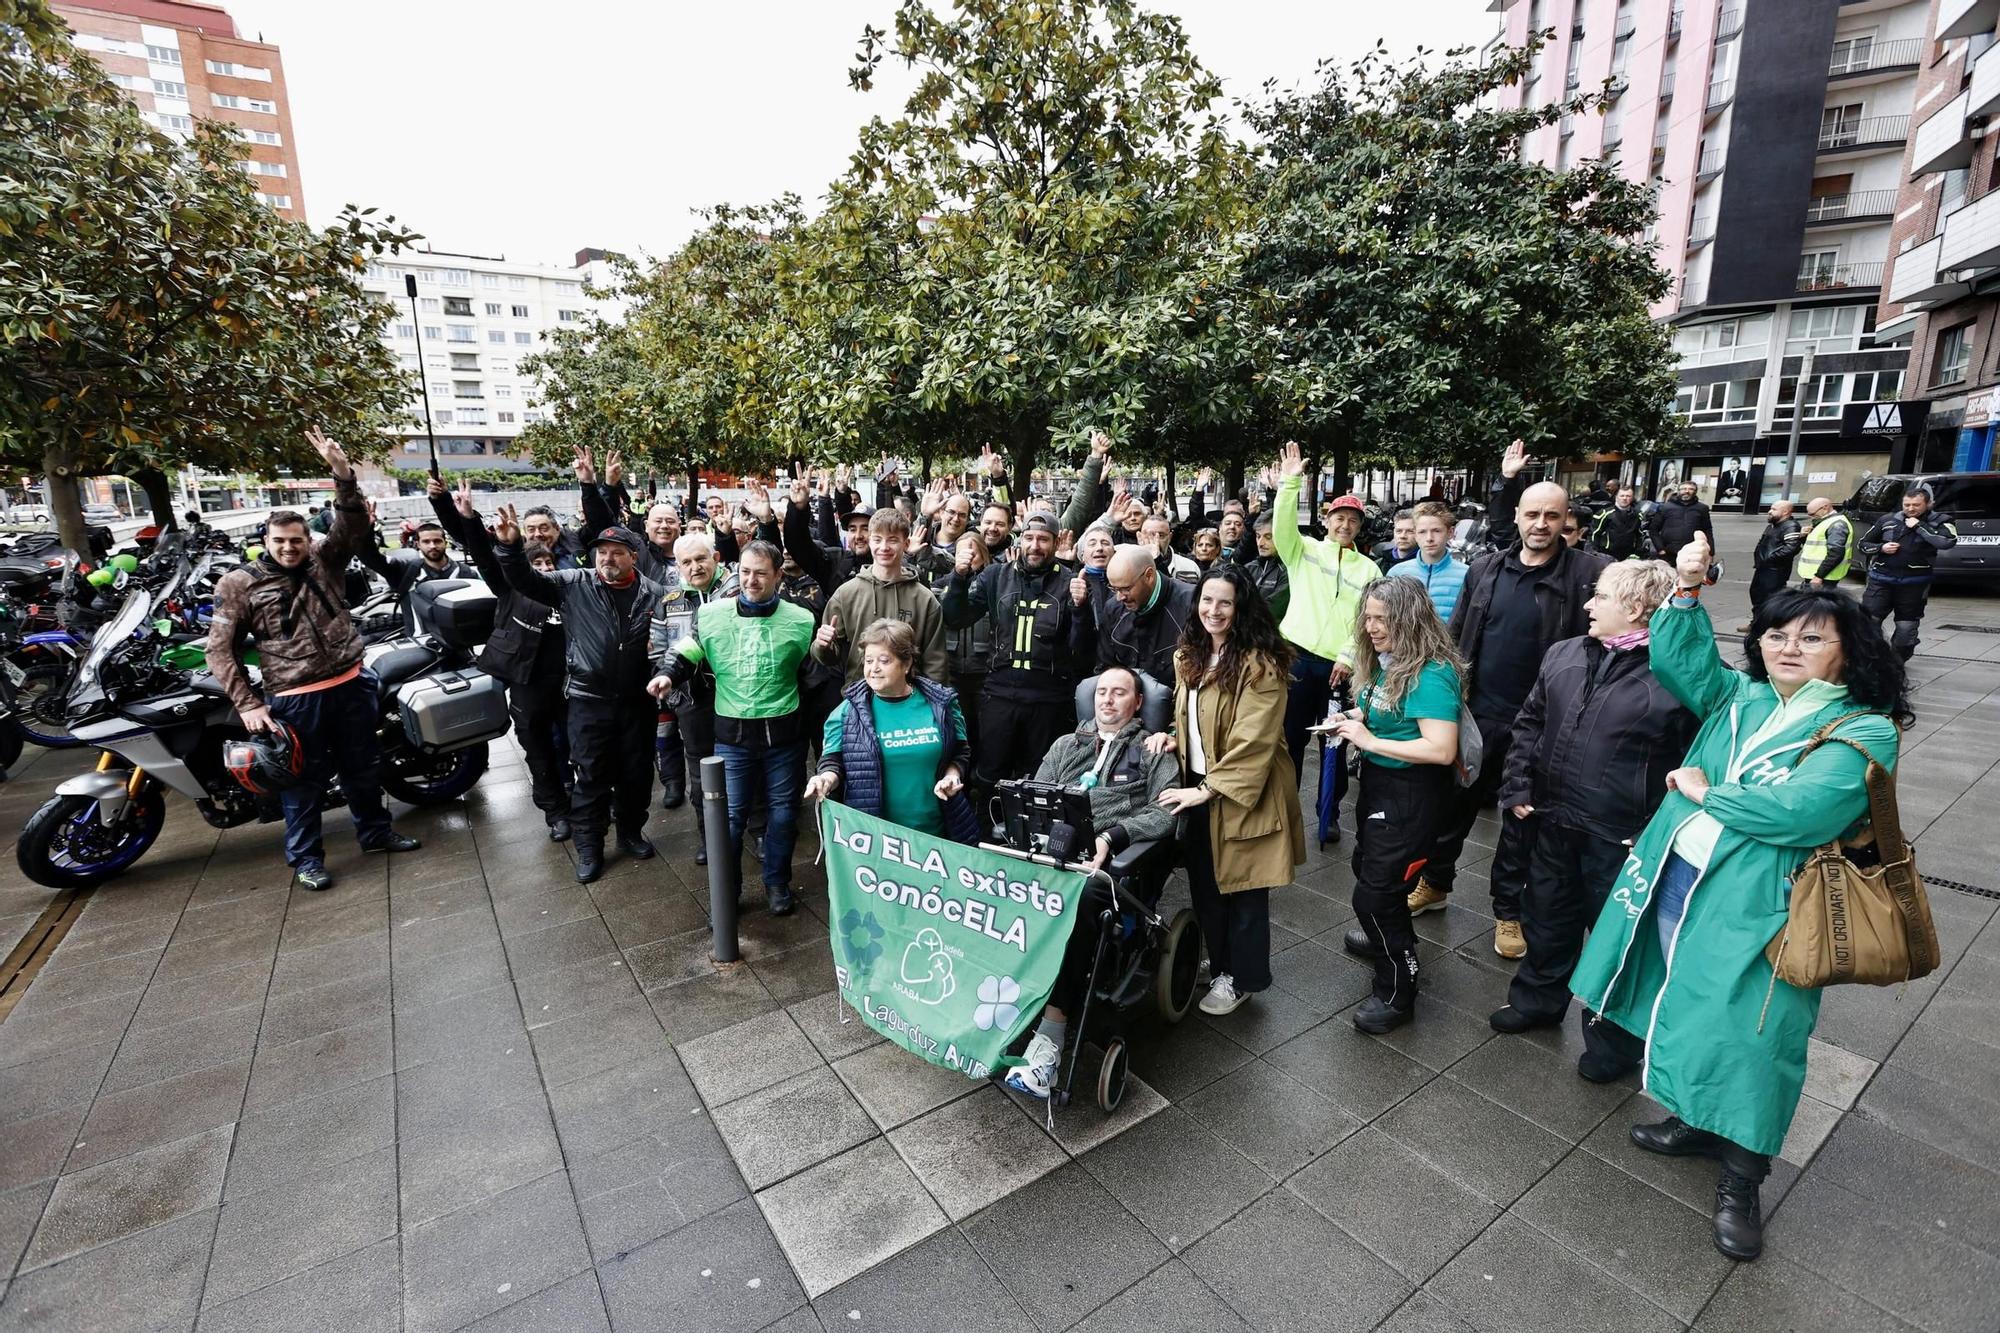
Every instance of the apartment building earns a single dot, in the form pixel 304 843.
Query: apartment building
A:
pixel 180 60
pixel 475 317
pixel 1774 132
pixel 1943 287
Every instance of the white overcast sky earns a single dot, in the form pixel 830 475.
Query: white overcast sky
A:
pixel 534 130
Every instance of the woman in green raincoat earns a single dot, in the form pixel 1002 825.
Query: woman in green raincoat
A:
pixel 1677 957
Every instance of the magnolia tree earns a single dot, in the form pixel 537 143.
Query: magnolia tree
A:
pixel 152 312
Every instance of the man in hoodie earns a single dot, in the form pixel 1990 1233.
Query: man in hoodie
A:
pixel 1442 573
pixel 887 589
pixel 1040 644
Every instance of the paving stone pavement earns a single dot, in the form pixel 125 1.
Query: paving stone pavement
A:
pixel 460 1091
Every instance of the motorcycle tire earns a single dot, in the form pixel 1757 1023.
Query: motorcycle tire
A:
pixel 419 779
pixel 40 700
pixel 63 847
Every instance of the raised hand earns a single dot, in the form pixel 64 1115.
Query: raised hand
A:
pixel 1066 545
pixel 463 500
pixel 585 465
pixel 1514 460
pixel 334 456
pixel 799 493
pixel 434 488
pixel 932 499
pixel 759 503
pixel 962 562
pixel 828 634
pixel 989 462
pixel 1203 478
pixel 1100 445
pixel 1079 589
pixel 506 526
pixel 614 468
pixel 1291 462
pixel 1692 563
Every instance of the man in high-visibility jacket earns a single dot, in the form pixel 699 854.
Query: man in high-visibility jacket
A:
pixel 1829 545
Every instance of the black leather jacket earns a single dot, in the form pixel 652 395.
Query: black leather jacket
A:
pixel 605 652
pixel 1145 640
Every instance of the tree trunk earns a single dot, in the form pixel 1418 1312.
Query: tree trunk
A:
pixel 1232 479
pixel 1342 479
pixel 159 496
pixel 1173 505
pixel 59 478
pixel 1021 465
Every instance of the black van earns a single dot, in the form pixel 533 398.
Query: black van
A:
pixel 1970 499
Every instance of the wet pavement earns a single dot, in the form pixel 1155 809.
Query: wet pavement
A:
pixel 459 1090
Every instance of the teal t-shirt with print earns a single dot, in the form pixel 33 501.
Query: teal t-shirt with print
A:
pixel 1434 695
pixel 911 751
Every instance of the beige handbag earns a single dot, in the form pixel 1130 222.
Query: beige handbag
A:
pixel 1854 923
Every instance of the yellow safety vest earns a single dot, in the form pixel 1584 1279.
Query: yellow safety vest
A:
pixel 1813 554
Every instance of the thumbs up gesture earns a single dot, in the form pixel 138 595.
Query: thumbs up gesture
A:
pixel 828 634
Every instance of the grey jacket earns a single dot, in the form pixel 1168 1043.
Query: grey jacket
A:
pixel 1123 804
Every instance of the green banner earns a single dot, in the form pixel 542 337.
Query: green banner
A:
pixel 944 949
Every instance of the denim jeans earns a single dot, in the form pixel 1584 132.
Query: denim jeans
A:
pixel 775 772
pixel 340 731
pixel 1675 880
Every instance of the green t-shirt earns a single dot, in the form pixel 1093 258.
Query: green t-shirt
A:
pixel 911 751
pixel 1434 695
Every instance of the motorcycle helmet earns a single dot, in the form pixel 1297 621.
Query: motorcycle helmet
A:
pixel 266 763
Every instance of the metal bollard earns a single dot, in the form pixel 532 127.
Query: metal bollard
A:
pixel 722 866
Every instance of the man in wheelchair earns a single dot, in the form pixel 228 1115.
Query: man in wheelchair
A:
pixel 1106 758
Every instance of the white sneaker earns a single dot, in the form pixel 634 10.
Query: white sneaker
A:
pixel 1037 1076
pixel 1222 997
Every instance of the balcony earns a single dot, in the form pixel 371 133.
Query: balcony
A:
pixel 1941 141
pixel 1870 57
pixel 1915 276
pixel 1873 134
pixel 1674 22
pixel 1626 27
pixel 1864 205
pixel 1720 94
pixel 1729 25
pixel 1966 18
pixel 1836 277
pixel 1971 235
pixel 1667 86
pixel 1709 167
pixel 1984 94
pixel 1700 232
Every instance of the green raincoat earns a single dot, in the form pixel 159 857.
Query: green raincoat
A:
pixel 1706 1059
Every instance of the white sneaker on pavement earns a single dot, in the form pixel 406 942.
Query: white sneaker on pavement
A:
pixel 1223 997
pixel 1037 1076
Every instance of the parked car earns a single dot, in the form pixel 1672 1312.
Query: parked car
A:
pixel 103 514
pixel 29 513
pixel 1970 499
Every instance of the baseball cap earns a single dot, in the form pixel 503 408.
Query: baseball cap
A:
pixel 860 513
pixel 625 537
pixel 1040 523
pixel 1349 502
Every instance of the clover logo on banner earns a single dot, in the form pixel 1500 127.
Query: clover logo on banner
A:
pixel 996 1008
pixel 927 968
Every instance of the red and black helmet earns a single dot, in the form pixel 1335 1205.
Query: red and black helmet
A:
pixel 266 763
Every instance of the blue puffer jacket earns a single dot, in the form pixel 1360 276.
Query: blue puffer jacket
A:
pixel 1442 580
pixel 859 758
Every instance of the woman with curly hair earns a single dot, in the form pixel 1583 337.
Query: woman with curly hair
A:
pixel 1409 681
pixel 1677 957
pixel 1230 675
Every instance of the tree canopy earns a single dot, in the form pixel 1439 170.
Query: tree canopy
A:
pixel 152 311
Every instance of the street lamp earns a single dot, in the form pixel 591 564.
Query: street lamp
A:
pixel 423 380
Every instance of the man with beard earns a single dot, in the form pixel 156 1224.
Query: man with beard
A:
pixel 1040 645
pixel 1139 625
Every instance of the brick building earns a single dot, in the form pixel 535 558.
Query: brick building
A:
pixel 183 59
pixel 1943 288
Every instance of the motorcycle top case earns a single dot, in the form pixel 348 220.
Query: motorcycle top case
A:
pixel 458 611
pixel 452 709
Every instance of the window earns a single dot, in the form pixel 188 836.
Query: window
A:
pixel 1840 126
pixel 456 277
pixel 129 82
pixel 439 389
pixel 1876 386
pixel 408 361
pixel 276 200
pixel 435 361
pixel 167 88
pixel 531 416
pixel 489 280
pixel 236 71
pixel 1721 341
pixel 516 283
pixel 503 391
pixel 1954 355
pixel 492 307
pixel 465 360
pixel 444 417
pixel 506 418
pixel 271 137
pixel 568 289
pixel 458 305
pixel 429 304
pixel 163 55
pixel 1824 329
pixel 1851 53
pixel 433 331
pixel 406 330
pixel 471 416
pixel 467 389
pixel 524 339
pixel 258 104
pixel 1817 269
pixel 1823 397
pixel 518 312
pixel 1715 404
pixel 227 99
pixel 569 316
pixel 459 333
pixel 1966 497
pixel 500 366
pixel 263 168
pixel 182 124
pixel 497 336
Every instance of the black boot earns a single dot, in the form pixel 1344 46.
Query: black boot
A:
pixel 1357 942
pixel 1376 1016
pixel 673 789
pixel 1673 1137
pixel 559 829
pixel 589 857
pixel 1739 1218
pixel 636 845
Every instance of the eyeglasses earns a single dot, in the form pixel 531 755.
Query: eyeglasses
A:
pixel 1776 640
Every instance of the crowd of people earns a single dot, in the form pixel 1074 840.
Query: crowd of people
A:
pixel 906 658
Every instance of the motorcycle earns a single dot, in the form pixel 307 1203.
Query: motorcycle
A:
pixel 169 725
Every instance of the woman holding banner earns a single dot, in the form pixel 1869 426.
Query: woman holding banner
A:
pixel 1244 833
pixel 895 747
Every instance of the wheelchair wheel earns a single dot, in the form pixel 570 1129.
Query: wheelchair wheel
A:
pixel 1180 960
pixel 1111 1076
